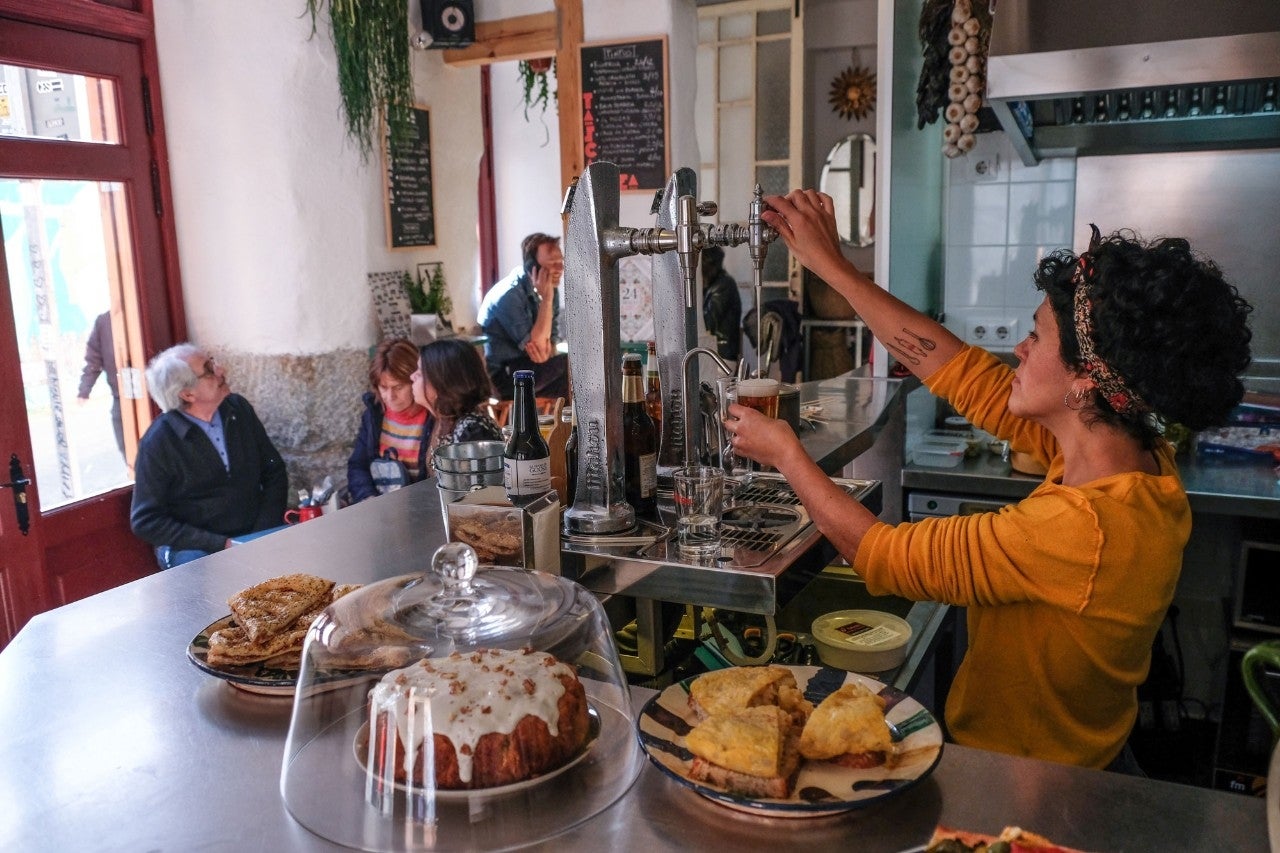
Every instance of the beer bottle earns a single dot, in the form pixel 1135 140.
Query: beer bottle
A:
pixel 639 441
pixel 571 459
pixel 526 460
pixel 653 389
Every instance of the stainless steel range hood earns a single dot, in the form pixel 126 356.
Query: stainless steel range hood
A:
pixel 1097 77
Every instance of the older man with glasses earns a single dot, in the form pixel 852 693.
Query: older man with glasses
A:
pixel 206 471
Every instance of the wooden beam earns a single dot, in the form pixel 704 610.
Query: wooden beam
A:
pixel 569 90
pixel 508 40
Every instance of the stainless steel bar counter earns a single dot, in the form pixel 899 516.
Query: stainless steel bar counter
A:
pixel 111 740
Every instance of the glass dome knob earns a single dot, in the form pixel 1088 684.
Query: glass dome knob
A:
pixel 459 603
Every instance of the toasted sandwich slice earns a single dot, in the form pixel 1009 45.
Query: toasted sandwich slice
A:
pixel 750 751
pixel 727 690
pixel 273 605
pixel 848 728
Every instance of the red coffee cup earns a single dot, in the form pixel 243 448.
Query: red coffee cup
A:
pixel 302 513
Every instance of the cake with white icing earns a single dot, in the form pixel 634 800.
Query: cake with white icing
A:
pixel 496 717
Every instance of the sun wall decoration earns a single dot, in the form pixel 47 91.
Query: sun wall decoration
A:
pixel 853 92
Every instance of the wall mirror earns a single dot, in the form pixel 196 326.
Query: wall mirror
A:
pixel 849 177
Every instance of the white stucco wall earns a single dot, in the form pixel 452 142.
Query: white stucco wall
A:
pixel 279 219
pixel 527 165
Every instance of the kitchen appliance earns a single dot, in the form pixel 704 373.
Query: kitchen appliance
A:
pixel 1257 601
pixel 1086 77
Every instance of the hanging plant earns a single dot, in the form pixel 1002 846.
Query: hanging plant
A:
pixel 534 77
pixel 371 40
pixel 853 92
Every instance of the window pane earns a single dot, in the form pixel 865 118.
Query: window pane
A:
pixel 773 23
pixel 704 114
pixel 61 243
pixel 706 30
pixel 773 99
pixel 736 27
pixel 735 72
pixel 39 104
pixel 736 166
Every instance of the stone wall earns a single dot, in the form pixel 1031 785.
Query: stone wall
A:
pixel 310 406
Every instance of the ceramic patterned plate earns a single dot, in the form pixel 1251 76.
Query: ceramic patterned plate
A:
pixel 268 678
pixel 822 788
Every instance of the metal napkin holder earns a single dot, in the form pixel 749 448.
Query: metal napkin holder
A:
pixel 505 534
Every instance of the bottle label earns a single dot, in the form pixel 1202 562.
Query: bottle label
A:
pixel 526 477
pixel 648 475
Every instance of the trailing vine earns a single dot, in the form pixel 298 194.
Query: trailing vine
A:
pixel 371 40
pixel 535 77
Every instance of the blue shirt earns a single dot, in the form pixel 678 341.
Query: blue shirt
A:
pixel 213 429
pixel 507 314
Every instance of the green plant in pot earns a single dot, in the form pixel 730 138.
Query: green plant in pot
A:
pixel 535 78
pixel 371 41
pixel 428 300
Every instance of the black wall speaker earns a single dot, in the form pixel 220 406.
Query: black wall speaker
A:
pixel 450 23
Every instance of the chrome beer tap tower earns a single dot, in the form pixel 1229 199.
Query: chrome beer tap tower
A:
pixel 594 245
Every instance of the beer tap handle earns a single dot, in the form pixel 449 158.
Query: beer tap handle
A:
pixel 760 235
pixel 689 242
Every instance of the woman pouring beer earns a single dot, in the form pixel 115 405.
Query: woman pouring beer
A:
pixel 1065 589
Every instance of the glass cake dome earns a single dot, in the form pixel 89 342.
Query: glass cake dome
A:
pixel 468 708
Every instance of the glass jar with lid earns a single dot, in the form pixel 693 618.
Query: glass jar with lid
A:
pixel 469 707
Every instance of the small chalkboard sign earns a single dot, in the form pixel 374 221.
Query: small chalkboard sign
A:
pixel 624 110
pixel 411 219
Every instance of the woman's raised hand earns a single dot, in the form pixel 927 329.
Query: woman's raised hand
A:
pixel 806 222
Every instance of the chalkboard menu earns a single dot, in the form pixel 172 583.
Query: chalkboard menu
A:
pixel 411 219
pixel 624 110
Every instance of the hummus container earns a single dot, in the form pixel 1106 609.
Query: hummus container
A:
pixel 861 640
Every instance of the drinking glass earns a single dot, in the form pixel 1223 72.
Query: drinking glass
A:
pixel 759 394
pixel 699 499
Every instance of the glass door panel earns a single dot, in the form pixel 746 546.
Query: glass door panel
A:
pixel 37 103
pixel 63 244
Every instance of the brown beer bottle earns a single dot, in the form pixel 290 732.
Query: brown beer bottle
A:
pixel 653 389
pixel 639 441
pixel 571 459
pixel 526 460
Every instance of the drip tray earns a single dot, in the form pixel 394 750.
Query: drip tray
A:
pixel 761 518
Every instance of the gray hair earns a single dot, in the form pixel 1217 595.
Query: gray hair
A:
pixel 168 375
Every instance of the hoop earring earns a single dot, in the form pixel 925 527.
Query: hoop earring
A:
pixel 1077 396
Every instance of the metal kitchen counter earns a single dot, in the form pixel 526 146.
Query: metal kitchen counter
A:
pixel 1221 489
pixel 111 740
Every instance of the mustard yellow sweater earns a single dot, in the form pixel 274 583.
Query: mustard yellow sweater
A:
pixel 1065 590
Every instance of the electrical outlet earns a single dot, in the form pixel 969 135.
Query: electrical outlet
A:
pixel 995 332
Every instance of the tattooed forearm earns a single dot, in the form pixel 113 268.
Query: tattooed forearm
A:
pixel 924 342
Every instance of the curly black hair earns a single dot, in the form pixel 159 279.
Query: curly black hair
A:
pixel 1165 320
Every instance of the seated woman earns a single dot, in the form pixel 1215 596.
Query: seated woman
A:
pixel 393 420
pixel 1066 589
pixel 452 383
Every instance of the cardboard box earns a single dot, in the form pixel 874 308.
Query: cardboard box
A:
pixel 507 535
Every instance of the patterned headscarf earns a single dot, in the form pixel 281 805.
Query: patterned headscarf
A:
pixel 1110 384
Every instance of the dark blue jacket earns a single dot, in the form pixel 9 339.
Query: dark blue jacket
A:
pixel 183 497
pixel 359 480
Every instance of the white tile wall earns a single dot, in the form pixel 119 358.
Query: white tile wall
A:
pixel 1002 218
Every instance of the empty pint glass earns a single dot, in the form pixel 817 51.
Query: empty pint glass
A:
pixel 699 499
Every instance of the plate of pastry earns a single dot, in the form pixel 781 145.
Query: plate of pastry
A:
pixel 790 741
pixel 258 646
